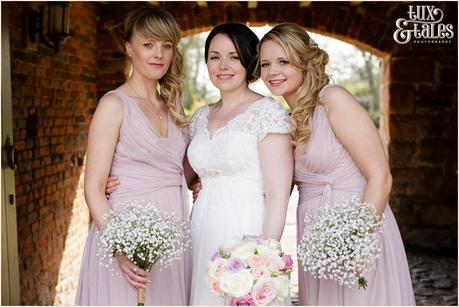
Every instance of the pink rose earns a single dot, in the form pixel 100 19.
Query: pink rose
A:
pixel 256 261
pixel 288 262
pixel 259 262
pixel 259 272
pixel 245 300
pixel 264 291
pixel 215 287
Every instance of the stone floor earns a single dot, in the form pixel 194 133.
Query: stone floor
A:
pixel 434 276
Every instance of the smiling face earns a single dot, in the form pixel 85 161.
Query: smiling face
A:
pixel 224 66
pixel 281 78
pixel 150 58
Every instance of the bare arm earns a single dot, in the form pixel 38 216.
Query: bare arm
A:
pixel 276 157
pixel 102 139
pixel 357 132
pixel 190 175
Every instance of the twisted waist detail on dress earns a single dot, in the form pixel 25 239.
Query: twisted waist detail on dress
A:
pixel 136 183
pixel 311 185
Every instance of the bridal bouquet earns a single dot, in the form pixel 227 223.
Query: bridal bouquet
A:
pixel 250 272
pixel 145 235
pixel 342 242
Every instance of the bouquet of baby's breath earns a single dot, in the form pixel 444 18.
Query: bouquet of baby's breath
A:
pixel 342 242
pixel 145 235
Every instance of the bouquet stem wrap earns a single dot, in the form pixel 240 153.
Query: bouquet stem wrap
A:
pixel 141 297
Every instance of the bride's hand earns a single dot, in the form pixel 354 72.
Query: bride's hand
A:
pixel 134 275
pixel 112 185
pixel 196 186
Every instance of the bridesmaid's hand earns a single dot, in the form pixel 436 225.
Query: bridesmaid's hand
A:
pixel 112 185
pixel 196 186
pixel 135 276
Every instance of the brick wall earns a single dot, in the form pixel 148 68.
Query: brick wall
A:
pixel 53 98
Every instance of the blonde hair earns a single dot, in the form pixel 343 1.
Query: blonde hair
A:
pixel 305 55
pixel 157 24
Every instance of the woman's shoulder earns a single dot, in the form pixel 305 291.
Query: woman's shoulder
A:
pixel 268 105
pixel 111 101
pixel 332 94
pixel 200 111
pixel 273 118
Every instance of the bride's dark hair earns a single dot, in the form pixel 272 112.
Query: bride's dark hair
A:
pixel 245 42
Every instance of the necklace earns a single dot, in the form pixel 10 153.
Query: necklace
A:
pixel 149 103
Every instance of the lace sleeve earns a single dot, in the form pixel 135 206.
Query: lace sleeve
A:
pixel 273 119
pixel 193 123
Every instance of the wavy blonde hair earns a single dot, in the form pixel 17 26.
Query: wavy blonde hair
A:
pixel 305 55
pixel 157 24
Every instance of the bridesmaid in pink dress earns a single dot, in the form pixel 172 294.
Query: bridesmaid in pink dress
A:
pixel 137 135
pixel 338 154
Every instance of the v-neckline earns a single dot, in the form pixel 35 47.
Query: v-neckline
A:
pixel 206 123
pixel 159 135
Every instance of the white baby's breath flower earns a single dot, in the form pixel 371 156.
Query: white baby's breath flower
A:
pixel 342 242
pixel 144 234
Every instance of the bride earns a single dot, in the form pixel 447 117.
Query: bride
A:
pixel 241 150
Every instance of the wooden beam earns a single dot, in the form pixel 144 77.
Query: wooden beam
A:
pixel 252 4
pixel 305 3
pixel 202 3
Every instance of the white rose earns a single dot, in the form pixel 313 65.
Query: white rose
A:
pixel 266 251
pixel 275 261
pixel 282 283
pixel 244 251
pixel 236 284
pixel 274 244
pixel 216 268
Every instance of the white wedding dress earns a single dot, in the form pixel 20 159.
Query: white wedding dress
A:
pixel 231 202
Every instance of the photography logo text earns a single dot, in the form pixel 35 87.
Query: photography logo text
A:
pixel 423 26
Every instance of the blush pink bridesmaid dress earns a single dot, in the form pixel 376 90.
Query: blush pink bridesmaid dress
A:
pixel 325 172
pixel 150 167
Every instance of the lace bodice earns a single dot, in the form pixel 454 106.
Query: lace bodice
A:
pixel 232 150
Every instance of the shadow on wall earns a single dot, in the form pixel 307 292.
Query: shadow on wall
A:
pixel 54 95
